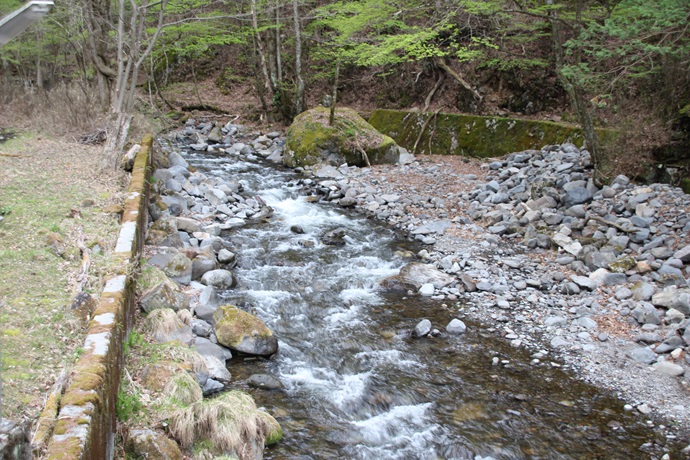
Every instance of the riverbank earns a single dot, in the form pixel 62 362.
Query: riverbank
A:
pixel 597 278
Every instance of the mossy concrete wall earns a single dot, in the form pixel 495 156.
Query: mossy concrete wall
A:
pixel 86 418
pixel 471 135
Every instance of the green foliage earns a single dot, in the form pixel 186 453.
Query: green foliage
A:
pixel 376 33
pixel 128 404
pixel 633 42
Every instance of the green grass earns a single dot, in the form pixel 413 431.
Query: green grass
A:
pixel 128 405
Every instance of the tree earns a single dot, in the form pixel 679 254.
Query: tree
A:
pixel 133 42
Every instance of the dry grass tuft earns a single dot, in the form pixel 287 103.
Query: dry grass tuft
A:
pixel 230 422
pixel 185 316
pixel 187 355
pixel 163 321
pixel 183 390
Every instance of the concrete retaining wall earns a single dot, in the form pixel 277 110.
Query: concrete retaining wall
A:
pixel 86 418
pixel 472 135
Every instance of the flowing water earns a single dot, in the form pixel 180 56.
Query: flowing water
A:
pixel 356 385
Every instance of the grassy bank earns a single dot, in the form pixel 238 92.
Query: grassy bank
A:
pixel 51 196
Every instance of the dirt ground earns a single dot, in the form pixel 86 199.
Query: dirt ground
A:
pixel 51 196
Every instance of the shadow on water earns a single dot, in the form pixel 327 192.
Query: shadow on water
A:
pixel 357 385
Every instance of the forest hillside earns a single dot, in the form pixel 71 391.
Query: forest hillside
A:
pixel 621 64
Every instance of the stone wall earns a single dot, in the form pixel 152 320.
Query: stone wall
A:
pixel 86 416
pixel 472 135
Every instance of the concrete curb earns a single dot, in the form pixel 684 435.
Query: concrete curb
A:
pixel 86 417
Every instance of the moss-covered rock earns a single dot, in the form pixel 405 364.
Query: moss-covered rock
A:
pixel 310 140
pixel 243 332
pixel 152 444
pixel 149 277
pixel 623 264
pixel 165 295
pixel 472 135
pixel 685 185
pixel 274 433
pixel 155 376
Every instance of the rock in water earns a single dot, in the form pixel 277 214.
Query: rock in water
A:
pixel 414 275
pixel 456 327
pixel 220 278
pixel 422 328
pixel 264 381
pixel 241 331
pixel 334 237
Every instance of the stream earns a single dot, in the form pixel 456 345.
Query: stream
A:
pixel 357 385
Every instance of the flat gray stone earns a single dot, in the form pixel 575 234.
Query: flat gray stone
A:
pixel 643 355
pixel 584 282
pixel 438 227
pixel 264 382
pixel 207 348
pixel 674 370
pixel 216 369
pixel 643 291
pixel 556 321
pixel 559 342
pixel 645 313
pixel 683 254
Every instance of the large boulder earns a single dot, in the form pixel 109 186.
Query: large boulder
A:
pixel 310 140
pixel 414 275
pixel 241 331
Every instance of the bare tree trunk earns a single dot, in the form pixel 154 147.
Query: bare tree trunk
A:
pixel 260 49
pixel 97 20
pixel 576 94
pixel 299 99
pixel 334 96
pixel 279 59
pixel 257 80
pixel 127 76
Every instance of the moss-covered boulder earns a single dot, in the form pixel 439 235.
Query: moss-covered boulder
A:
pixel 310 140
pixel 243 332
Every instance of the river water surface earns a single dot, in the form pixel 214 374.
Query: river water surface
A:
pixel 356 385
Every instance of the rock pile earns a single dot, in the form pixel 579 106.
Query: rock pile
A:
pixel 189 210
